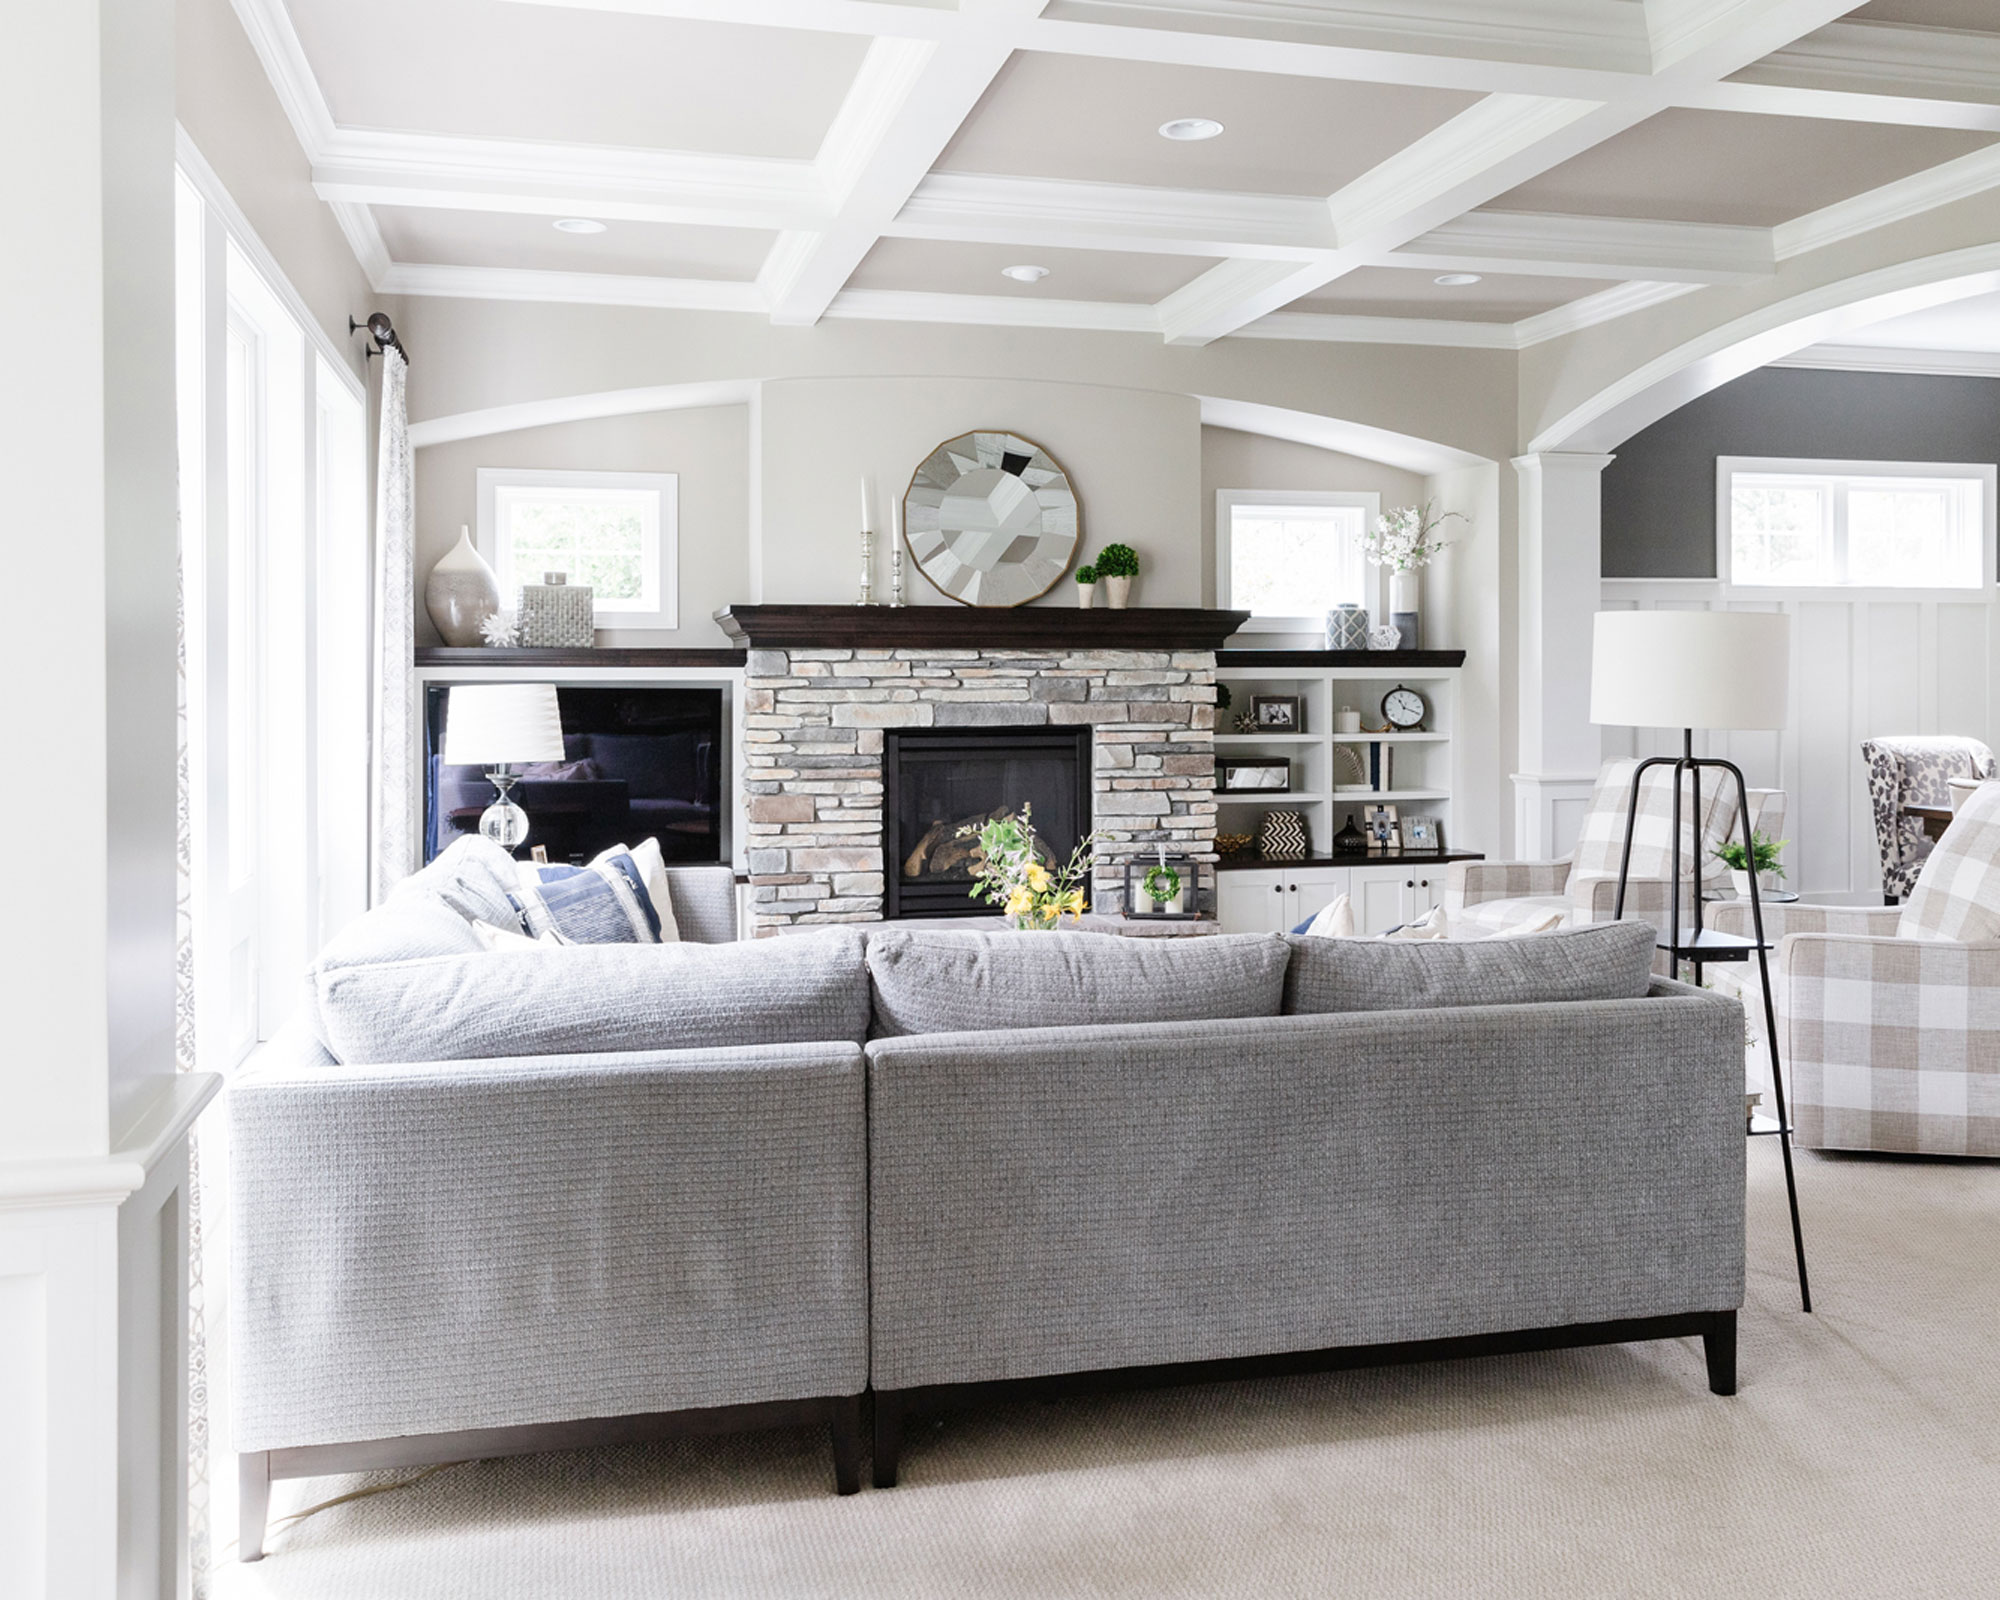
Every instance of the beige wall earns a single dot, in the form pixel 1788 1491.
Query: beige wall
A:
pixel 226 104
pixel 1133 457
pixel 709 449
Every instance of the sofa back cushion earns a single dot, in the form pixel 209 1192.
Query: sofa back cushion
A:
pixel 473 875
pixel 575 999
pixel 953 982
pixel 1610 961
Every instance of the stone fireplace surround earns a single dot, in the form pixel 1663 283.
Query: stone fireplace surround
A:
pixel 823 683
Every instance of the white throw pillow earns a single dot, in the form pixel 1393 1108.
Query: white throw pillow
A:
pixel 1334 920
pixel 1433 924
pixel 1548 924
pixel 512 938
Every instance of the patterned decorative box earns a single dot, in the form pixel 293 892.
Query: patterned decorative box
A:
pixel 556 614
pixel 1283 836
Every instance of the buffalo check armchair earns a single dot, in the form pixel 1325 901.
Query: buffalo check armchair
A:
pixel 1483 898
pixel 1889 1017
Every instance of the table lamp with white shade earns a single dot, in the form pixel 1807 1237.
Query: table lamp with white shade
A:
pixel 498 726
pixel 1718 671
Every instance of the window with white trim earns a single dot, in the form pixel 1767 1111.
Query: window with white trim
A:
pixel 1791 524
pixel 615 531
pixel 1290 558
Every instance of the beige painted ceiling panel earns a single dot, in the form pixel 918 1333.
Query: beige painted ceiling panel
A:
pixel 952 268
pixel 1980 16
pixel 1730 167
pixel 1408 292
pixel 1061 116
pixel 485 68
pixel 496 239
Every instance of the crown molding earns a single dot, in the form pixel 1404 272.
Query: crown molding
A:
pixel 364 238
pixel 1593 309
pixel 1892 203
pixel 992 311
pixel 570 288
pixel 1318 327
pixel 1577 246
pixel 581 408
pixel 1868 358
pixel 1834 105
pixel 1886 58
pixel 277 46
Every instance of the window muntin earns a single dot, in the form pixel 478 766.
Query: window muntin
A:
pixel 1854 525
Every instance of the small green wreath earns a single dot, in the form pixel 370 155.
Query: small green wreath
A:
pixel 1161 884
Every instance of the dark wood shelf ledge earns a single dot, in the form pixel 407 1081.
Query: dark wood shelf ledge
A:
pixel 1243 860
pixel 1251 660
pixel 955 627
pixel 439 655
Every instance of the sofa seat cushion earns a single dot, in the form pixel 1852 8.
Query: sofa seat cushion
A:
pixel 1484 918
pixel 955 982
pixel 581 998
pixel 1612 961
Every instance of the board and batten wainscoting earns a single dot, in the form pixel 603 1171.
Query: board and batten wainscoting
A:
pixel 1875 662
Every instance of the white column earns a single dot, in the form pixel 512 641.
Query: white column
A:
pixel 1561 588
pixel 93 1117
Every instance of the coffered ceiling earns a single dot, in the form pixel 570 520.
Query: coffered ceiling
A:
pixel 798 159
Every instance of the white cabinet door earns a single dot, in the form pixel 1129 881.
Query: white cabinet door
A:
pixel 1426 888
pixel 1252 902
pixel 1311 890
pixel 1380 897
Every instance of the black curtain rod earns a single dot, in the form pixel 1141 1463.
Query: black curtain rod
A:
pixel 379 328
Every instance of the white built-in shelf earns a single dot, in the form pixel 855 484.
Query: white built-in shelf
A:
pixel 1267 738
pixel 1263 797
pixel 1387 738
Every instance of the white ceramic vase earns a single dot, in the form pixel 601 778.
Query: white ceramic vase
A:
pixel 1117 591
pixel 1086 595
pixel 461 593
pixel 1740 882
pixel 1406 590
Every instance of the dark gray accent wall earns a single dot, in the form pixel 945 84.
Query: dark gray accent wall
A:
pixel 1659 495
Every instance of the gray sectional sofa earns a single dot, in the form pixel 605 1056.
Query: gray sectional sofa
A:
pixel 615 1190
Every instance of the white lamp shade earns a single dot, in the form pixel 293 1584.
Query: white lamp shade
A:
pixel 1691 669
pixel 498 724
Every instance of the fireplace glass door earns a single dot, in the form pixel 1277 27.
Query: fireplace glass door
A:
pixel 941 785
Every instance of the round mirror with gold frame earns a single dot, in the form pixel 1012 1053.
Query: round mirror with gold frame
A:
pixel 991 519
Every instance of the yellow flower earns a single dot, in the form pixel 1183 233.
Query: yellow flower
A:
pixel 1038 876
pixel 1073 902
pixel 1019 902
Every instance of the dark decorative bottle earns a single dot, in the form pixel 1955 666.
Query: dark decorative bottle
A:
pixel 1350 841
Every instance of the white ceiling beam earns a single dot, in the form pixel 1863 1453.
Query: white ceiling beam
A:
pixel 1591 247
pixel 907 102
pixel 570 288
pixel 1832 105
pixel 993 311
pixel 1887 59
pixel 1319 327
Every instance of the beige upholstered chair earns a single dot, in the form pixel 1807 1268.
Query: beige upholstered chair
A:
pixel 1488 897
pixel 1889 1017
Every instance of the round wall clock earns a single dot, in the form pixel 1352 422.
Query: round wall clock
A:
pixel 1404 709
pixel 991 519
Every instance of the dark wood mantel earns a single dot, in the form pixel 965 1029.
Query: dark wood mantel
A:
pixel 977 627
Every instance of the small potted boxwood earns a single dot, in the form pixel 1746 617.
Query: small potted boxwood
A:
pixel 1117 565
pixel 1086 587
pixel 1761 858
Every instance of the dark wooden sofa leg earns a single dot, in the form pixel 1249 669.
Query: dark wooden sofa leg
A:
pixel 253 1503
pixel 1718 1343
pixel 888 1437
pixel 844 1419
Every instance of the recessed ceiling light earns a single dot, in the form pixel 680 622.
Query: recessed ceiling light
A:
pixel 1190 128
pixel 1455 280
pixel 578 225
pixel 1025 274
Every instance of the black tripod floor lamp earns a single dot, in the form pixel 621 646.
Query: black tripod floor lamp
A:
pixel 1718 671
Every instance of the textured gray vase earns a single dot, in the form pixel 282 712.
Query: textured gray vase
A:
pixel 461 593
pixel 1347 628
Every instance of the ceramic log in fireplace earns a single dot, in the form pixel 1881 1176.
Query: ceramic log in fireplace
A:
pixel 936 782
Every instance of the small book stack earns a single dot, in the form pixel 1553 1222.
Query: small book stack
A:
pixel 1379 758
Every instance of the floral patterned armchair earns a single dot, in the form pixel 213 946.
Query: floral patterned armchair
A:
pixel 1913 772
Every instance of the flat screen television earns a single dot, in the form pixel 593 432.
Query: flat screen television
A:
pixel 637 763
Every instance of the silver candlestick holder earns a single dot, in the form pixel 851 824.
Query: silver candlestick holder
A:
pixel 896 575
pixel 867 569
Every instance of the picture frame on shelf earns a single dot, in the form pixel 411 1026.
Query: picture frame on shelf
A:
pixel 1424 833
pixel 1278 713
pixel 1384 829
pixel 1254 776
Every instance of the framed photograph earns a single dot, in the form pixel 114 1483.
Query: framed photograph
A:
pixel 1278 713
pixel 1253 777
pixel 1425 833
pixel 1383 828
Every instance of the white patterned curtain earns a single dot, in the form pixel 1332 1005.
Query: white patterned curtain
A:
pixel 394 834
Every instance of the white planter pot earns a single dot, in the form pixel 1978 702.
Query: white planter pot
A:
pixel 1086 595
pixel 1117 591
pixel 1740 882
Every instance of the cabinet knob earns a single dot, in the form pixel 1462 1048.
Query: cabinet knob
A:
pixel 1426 883
pixel 1277 888
pixel 1409 883
pixel 1294 888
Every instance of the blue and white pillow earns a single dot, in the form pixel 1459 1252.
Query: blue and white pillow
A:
pixel 604 903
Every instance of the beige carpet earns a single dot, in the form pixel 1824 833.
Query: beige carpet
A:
pixel 1862 1457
